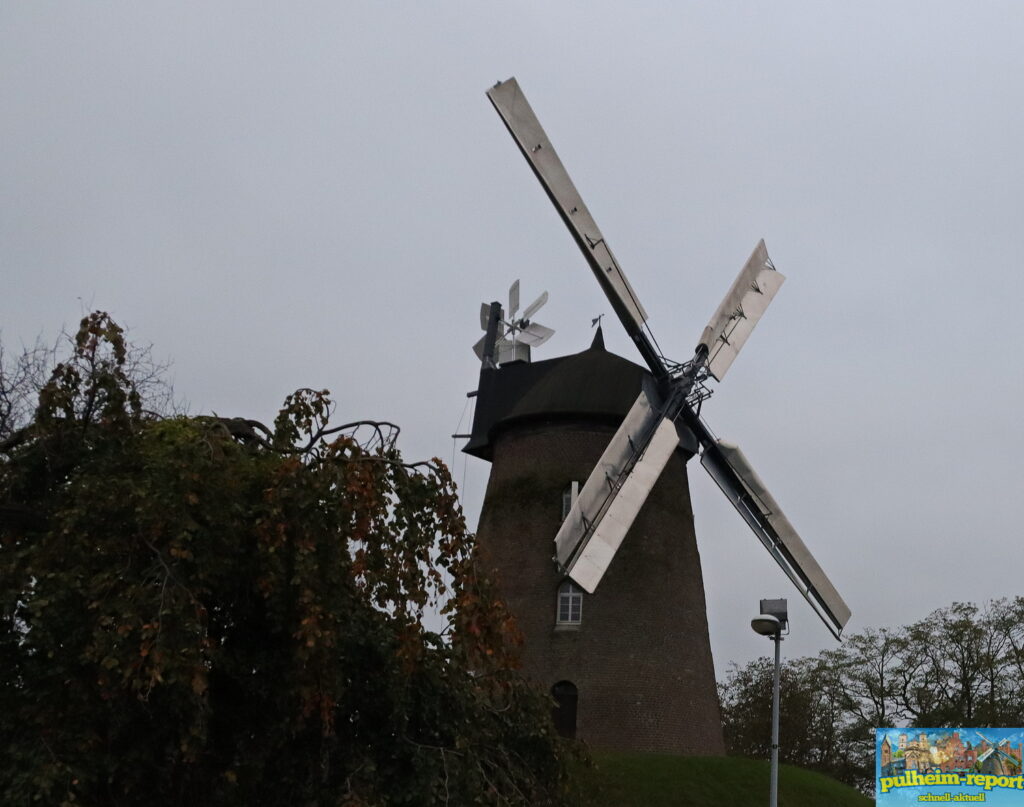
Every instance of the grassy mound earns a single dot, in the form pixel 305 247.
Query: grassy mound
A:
pixel 660 780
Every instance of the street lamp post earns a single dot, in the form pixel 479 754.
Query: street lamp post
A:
pixel 772 621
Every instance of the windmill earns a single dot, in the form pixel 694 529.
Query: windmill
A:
pixel 995 760
pixel 508 340
pixel 666 414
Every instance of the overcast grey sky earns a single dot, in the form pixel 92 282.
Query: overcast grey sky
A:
pixel 319 194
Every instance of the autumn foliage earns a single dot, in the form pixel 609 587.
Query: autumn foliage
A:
pixel 199 610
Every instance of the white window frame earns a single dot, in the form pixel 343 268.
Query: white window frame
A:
pixel 569 605
pixel 569 495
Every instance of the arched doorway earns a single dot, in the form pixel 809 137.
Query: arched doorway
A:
pixel 564 712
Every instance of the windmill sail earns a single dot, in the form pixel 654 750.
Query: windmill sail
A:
pixel 744 304
pixel 616 490
pixel 740 483
pixel 533 334
pixel 526 130
pixel 535 306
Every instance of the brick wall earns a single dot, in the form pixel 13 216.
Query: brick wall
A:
pixel 641 658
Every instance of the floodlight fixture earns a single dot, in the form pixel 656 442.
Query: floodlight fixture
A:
pixel 766 625
pixel 771 622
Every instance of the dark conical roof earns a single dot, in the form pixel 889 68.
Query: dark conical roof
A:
pixel 592 384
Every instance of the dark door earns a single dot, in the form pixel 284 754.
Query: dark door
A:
pixel 564 713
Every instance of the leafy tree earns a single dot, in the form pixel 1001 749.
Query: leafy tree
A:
pixel 1007 622
pixel 23 376
pixel 209 611
pixel 960 666
pixel 810 708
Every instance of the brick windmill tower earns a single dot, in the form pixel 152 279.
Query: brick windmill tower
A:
pixel 590 451
pixel 630 665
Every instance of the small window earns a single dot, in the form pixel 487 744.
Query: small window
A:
pixel 570 604
pixel 569 498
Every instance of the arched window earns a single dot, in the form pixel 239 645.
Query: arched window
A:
pixel 570 604
pixel 564 712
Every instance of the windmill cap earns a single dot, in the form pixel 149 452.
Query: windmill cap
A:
pixel 590 385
